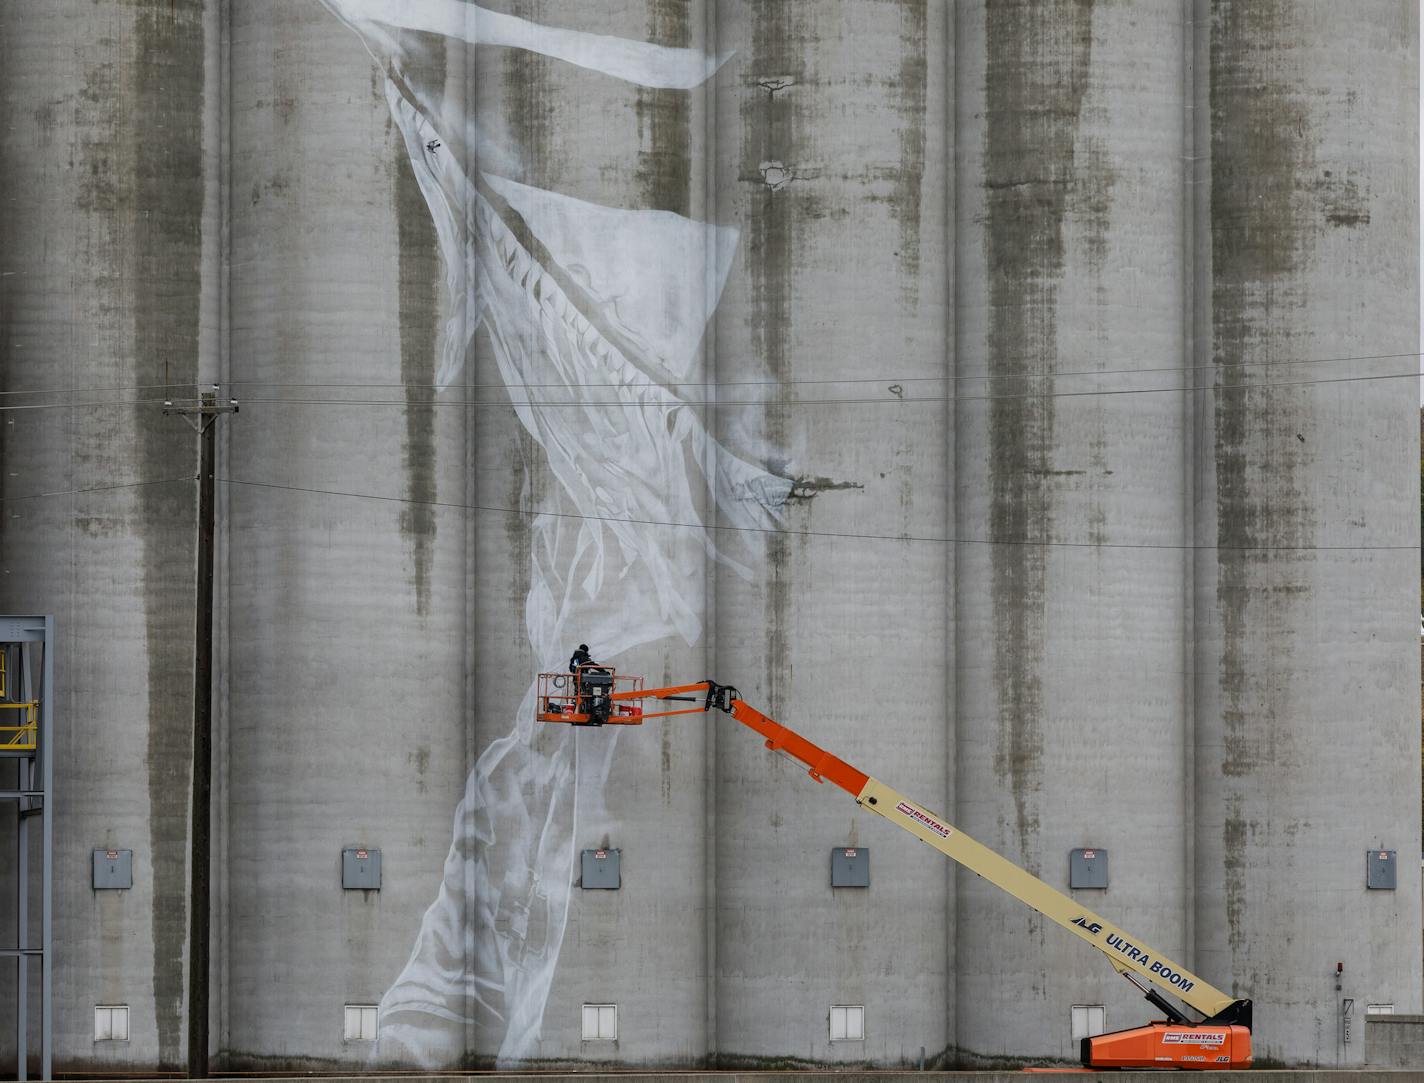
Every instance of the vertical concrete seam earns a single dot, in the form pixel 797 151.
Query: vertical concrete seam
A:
pixel 959 684
pixel 710 618
pixel 1187 173
pixel 1200 14
pixel 951 553
pixel 469 534
pixel 222 706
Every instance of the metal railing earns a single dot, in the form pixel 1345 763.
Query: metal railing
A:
pixel 24 735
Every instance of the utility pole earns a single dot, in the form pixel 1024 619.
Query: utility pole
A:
pixel 203 417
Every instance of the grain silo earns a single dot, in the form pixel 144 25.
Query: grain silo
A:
pixel 954 379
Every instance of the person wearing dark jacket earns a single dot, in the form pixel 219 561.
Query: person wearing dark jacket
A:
pixel 590 701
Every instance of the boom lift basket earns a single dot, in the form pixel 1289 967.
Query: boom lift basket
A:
pixel 584 698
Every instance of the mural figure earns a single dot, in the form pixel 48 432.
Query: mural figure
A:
pixel 603 310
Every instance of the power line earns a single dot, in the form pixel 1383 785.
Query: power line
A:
pixel 95 390
pixel 849 380
pixel 892 400
pixel 960 377
pixel 96 489
pixel 80 405
pixel 451 505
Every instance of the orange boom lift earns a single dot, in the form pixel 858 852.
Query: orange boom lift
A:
pixel 1220 1038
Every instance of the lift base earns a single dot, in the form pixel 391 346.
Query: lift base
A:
pixel 1170 1045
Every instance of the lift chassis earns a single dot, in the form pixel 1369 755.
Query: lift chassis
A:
pixel 1220 1039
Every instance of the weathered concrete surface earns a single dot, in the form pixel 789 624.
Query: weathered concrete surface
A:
pixel 1073 709
pixel 345 617
pixel 1305 579
pixel 1002 196
pixel 1395 1041
pixel 109 280
pixel 832 128
pixel 612 144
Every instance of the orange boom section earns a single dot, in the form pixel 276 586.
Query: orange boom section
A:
pixel 822 765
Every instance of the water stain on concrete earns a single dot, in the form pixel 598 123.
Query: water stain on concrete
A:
pixel 665 119
pixel 1234 837
pixel 419 285
pixel 910 89
pixel 1266 199
pixel 531 118
pixel 145 182
pixel 530 109
pixel 1341 201
pixel 1035 85
pixel 772 132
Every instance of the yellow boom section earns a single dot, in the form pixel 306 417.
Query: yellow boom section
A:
pixel 1125 952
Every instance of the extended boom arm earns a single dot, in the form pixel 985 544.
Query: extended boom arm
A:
pixel 1127 954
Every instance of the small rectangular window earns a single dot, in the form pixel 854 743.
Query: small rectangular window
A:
pixel 1379 1009
pixel 111 1023
pixel 1088 1020
pixel 600 1022
pixel 360 1023
pixel 848 1023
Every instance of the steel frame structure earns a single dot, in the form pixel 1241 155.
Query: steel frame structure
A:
pixel 28 643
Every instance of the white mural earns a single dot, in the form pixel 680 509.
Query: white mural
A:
pixel 603 310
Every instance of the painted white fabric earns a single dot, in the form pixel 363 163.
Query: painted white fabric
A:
pixel 638 62
pixel 598 312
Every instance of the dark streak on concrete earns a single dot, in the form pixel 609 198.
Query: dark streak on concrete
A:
pixel 665 119
pixel 419 287
pixel 771 127
pixel 1234 838
pixel 530 117
pixel 1265 202
pixel 910 81
pixel 143 180
pixel 1035 83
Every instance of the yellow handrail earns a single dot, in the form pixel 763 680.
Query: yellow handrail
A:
pixel 25 736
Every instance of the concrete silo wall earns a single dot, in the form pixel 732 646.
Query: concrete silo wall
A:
pixel 109 239
pixel 1307 249
pixel 1073 710
pixel 882 358
pixel 345 617
pixel 831 124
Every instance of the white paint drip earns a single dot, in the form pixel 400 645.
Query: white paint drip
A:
pixel 602 318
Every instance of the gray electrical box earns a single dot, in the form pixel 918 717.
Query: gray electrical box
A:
pixel 1088 868
pixel 361 869
pixel 113 870
pixel 1380 872
pixel 599 870
pixel 850 866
